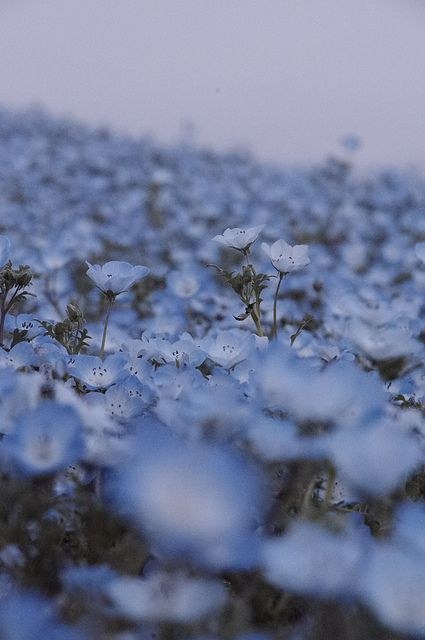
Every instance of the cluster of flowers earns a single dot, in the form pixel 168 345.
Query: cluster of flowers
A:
pixel 176 467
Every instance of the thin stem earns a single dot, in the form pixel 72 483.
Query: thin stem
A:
pixel 307 498
pixel 2 318
pixel 48 293
pixel 257 323
pixel 330 486
pixel 274 331
pixel 5 308
pixel 105 328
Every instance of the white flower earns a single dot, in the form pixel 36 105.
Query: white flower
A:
pixel 4 250
pixel 240 239
pixel 115 276
pixel 285 258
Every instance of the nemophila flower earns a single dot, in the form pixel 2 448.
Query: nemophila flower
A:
pixel 96 373
pixel 166 597
pixel 298 387
pixel 21 355
pixel 24 322
pixel 376 458
pixel 180 352
pixel 115 277
pixel 393 587
pixel 383 343
pixel 409 526
pixel 104 440
pixel 240 239
pixel 193 500
pixel 28 616
pixel 228 348
pixel 185 283
pixel 170 381
pixel 212 411
pixel 277 440
pixel 4 250
pixel 285 258
pixel 45 439
pixel 310 560
pixel 128 399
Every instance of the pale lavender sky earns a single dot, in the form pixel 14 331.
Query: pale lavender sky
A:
pixel 285 78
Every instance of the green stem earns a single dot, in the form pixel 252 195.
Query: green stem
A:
pixel 105 328
pixel 274 331
pixel 257 323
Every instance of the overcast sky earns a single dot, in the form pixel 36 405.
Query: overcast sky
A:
pixel 284 78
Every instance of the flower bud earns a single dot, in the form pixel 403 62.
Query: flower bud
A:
pixel 23 276
pixel 74 313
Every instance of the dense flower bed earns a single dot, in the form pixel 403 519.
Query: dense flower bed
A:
pixel 212 393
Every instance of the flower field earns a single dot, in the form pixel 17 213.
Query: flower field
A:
pixel 212 393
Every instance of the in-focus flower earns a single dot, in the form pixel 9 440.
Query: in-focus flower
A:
pixel 115 277
pixel 240 239
pixel 96 373
pixel 4 250
pixel 285 258
pixel 228 348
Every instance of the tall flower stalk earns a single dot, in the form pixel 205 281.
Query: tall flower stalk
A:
pixel 111 299
pixel 276 295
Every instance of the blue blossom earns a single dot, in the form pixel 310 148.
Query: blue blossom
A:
pixel 96 373
pixel 115 277
pixel 197 501
pixel 45 439
pixel 28 616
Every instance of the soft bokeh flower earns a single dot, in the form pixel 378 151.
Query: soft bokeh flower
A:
pixel 29 616
pixel 311 560
pixel 166 597
pixel 45 439
pixel 193 500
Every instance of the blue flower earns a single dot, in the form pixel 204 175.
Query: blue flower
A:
pixel 45 439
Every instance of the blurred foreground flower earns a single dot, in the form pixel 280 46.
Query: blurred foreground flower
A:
pixel 193 500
